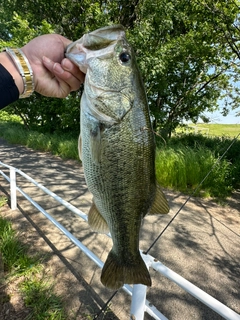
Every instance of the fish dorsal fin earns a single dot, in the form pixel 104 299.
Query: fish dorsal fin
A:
pixel 160 204
pixel 96 221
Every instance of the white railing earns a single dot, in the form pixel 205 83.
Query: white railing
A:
pixel 139 304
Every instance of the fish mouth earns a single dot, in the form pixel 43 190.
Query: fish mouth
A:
pixel 100 43
pixel 80 55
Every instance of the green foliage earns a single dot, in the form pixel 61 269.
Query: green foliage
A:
pixel 50 115
pixel 19 30
pixel 6 117
pixel 187 51
pixel 218 145
pixel 183 69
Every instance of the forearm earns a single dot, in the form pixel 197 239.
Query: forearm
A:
pixel 11 82
pixel 8 64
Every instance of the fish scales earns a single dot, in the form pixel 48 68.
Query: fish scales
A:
pixel 117 150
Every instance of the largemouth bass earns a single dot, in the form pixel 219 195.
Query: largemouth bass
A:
pixel 117 150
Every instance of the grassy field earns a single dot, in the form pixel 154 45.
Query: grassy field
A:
pixel 217 130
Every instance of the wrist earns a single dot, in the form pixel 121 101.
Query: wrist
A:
pixel 21 62
pixel 8 64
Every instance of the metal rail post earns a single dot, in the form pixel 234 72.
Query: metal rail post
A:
pixel 13 191
pixel 138 302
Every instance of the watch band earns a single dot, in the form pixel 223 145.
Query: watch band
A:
pixel 24 68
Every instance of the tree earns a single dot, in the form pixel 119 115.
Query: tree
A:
pixel 185 59
pixel 228 27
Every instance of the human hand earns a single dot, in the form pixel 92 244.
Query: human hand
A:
pixel 54 75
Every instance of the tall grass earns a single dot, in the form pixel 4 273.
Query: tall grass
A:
pixel 182 168
pixel 63 145
pixel 217 146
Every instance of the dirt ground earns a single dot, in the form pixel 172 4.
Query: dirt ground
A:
pixel 202 245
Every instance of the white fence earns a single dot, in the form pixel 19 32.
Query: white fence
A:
pixel 139 304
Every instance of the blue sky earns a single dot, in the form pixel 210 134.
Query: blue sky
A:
pixel 216 117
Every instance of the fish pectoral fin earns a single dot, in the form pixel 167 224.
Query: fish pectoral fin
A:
pixel 160 204
pixel 116 273
pixel 96 221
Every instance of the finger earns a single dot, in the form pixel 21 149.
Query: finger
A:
pixel 65 79
pixel 57 86
pixel 67 65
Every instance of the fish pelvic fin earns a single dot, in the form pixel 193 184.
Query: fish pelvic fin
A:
pixel 160 204
pixel 116 273
pixel 96 221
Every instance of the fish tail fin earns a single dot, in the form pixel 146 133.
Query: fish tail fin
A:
pixel 116 273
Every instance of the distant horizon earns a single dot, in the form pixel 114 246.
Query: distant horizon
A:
pixel 217 118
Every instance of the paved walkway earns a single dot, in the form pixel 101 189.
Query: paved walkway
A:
pixel 202 244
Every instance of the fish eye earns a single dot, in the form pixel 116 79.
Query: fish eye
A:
pixel 124 57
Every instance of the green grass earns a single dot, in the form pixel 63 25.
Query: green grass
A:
pixel 13 252
pixel 212 130
pixel 40 298
pixel 37 291
pixel 3 201
pixel 63 145
pixel 182 168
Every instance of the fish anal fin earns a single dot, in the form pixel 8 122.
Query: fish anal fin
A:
pixel 160 204
pixel 96 221
pixel 116 273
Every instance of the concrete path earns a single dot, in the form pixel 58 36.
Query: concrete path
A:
pixel 202 244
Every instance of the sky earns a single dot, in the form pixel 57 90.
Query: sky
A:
pixel 216 117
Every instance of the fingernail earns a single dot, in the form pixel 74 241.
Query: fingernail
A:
pixel 67 65
pixel 57 68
